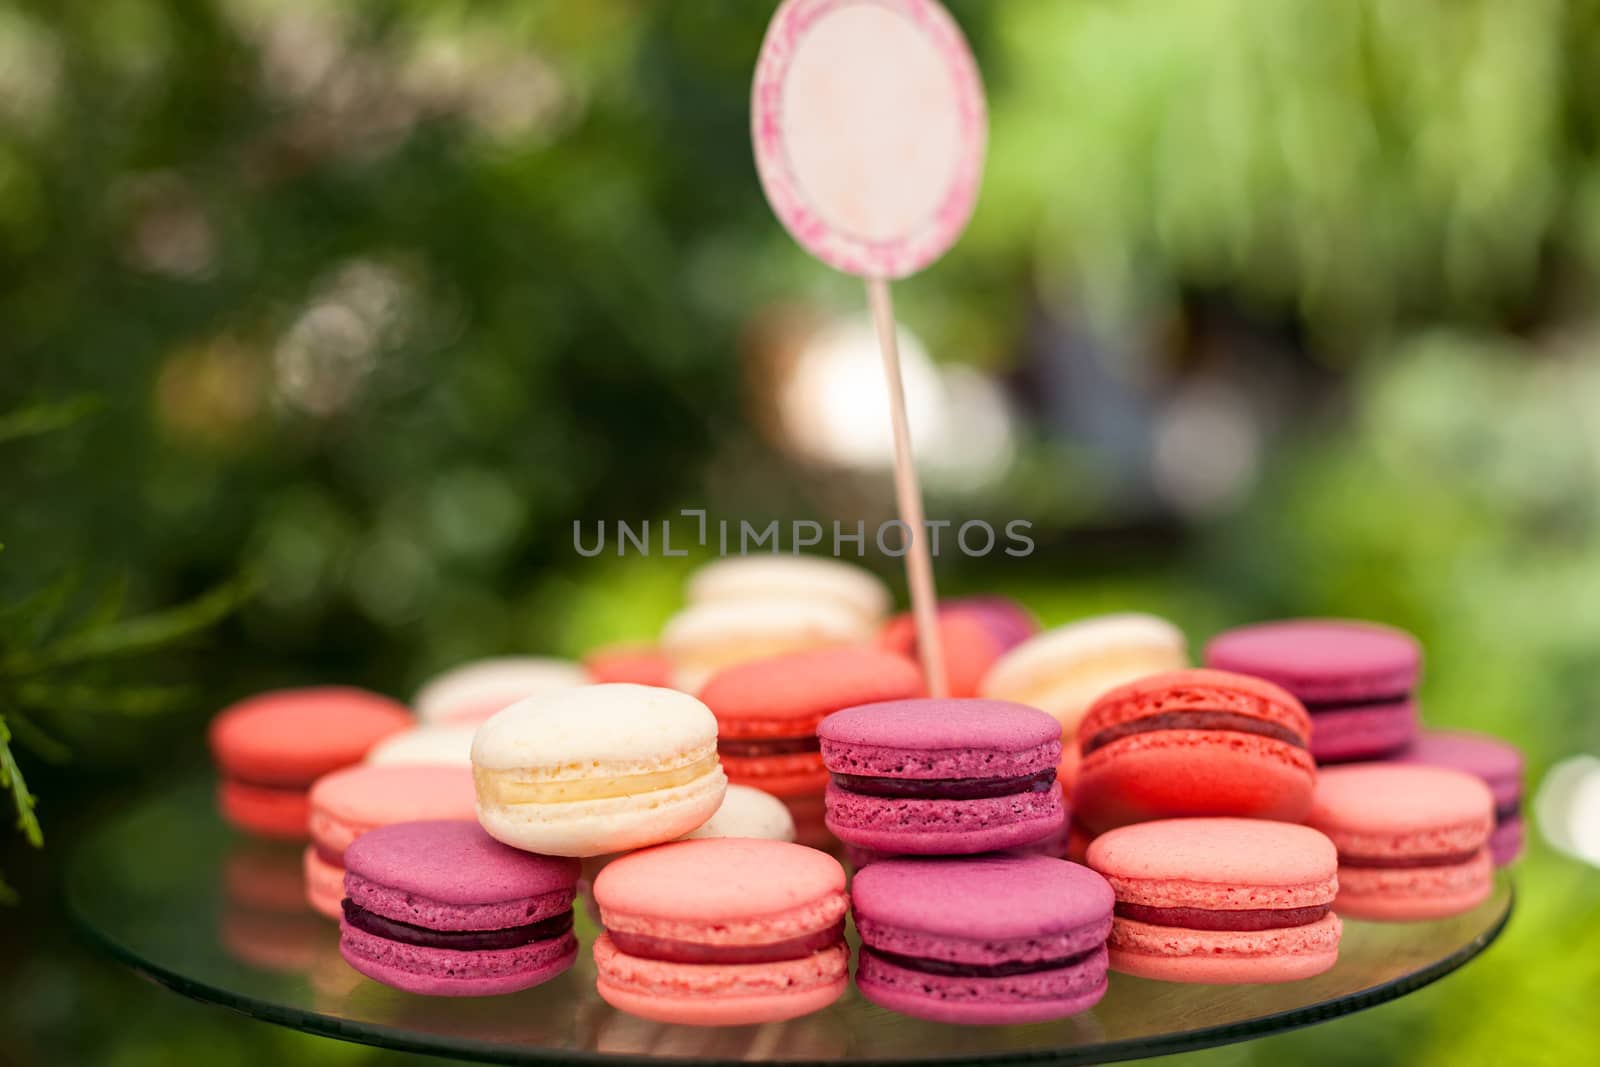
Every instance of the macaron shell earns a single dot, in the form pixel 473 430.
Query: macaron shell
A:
pixel 453 865
pixel 438 972
pixel 293 736
pixel 1217 863
pixel 348 803
pixel 1196 690
pixel 1406 894
pixel 1397 810
pixel 720 994
pixel 1023 998
pixel 790 775
pixel 787 696
pixel 748 812
pixel 945 738
pixel 636 666
pixel 1322 659
pixel 1169 773
pixel 324 884
pixel 970 646
pixel 1362 732
pixel 1172 954
pixel 944 827
pixel 1499 764
pixel 1506 841
pixel 279 813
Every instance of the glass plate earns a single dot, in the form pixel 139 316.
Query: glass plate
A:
pixel 170 891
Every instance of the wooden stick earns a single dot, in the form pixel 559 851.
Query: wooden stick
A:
pixel 908 493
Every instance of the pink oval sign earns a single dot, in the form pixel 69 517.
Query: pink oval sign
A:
pixel 869 126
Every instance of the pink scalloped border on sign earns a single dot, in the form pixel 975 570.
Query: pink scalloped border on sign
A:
pixel 905 254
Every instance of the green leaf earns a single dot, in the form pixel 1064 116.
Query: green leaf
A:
pixel 41 611
pixel 132 636
pixel 11 779
pixel 8 895
pixel 46 418
pixel 81 698
pixel 35 740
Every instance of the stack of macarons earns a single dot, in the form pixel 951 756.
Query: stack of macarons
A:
pixel 449 843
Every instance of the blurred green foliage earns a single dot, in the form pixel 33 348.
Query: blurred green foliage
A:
pixel 380 294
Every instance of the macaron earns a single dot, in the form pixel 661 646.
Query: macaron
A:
pixel 1220 900
pixel 723 932
pixel 1412 840
pixel 707 637
pixel 982 940
pixel 792 577
pixel 446 744
pixel 349 803
pixel 1355 678
pixel 974 632
pixel 637 665
pixel 1063 670
pixel 474 691
pixel 443 909
pixel 1498 764
pixel 270 748
pixel 1195 742
pixel 768 710
pixel 942 777
pixel 747 812
pixel 598 769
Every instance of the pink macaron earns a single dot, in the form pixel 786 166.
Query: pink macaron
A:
pixel 1497 763
pixel 348 803
pixel 1412 840
pixel 443 909
pixel 722 932
pixel 974 632
pixel 1220 900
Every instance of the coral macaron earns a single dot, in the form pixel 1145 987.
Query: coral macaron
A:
pixel 443 909
pixel 1412 839
pixel 270 749
pixel 768 710
pixel 722 932
pixel 974 631
pixel 987 939
pixel 942 777
pixel 1220 900
pixel 1193 743
pixel 597 769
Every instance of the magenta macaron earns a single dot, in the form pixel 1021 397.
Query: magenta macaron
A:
pixel 942 777
pixel 1220 900
pixel 443 909
pixel 1500 767
pixel 1355 678
pixel 983 939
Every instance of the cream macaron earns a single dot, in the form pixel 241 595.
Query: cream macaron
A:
pixel 474 691
pixel 1065 669
pixel 445 744
pixel 704 638
pixel 792 577
pixel 748 812
pixel 597 769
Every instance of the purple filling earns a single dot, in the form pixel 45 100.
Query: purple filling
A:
pixel 1508 811
pixel 461 940
pixel 668 950
pixel 949 969
pixel 1314 706
pixel 1194 720
pixel 947 788
pixel 754 748
pixel 1208 919
pixel 1450 859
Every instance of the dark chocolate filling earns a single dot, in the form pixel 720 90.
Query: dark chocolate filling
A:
pixel 1194 720
pixel 669 950
pixel 268 787
pixel 1315 706
pixel 754 747
pixel 1398 862
pixel 1215 919
pixel 947 788
pixel 949 969
pixel 1507 812
pixel 461 940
